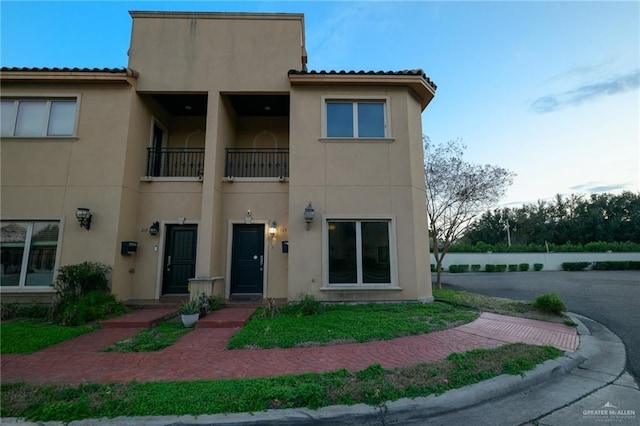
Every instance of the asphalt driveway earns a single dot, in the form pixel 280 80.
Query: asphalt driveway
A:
pixel 609 297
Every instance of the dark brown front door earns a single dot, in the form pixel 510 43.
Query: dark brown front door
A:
pixel 179 258
pixel 247 259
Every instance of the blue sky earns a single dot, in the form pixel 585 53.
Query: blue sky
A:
pixel 549 90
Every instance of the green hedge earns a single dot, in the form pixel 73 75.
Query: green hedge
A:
pixel 458 268
pixel 476 268
pixel 593 247
pixel 622 265
pixel 523 267
pixel 538 266
pixel 575 266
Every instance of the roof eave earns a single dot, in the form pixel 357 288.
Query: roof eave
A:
pixel 128 76
pixel 417 84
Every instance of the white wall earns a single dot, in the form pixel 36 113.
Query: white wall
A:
pixel 551 261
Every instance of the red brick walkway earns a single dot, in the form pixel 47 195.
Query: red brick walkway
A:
pixel 201 353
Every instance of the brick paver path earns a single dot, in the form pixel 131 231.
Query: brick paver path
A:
pixel 201 354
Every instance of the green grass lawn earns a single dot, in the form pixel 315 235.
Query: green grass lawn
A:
pixel 373 385
pixel 24 336
pixel 152 339
pixel 496 305
pixel 339 324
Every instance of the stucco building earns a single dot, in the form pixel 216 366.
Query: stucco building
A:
pixel 222 162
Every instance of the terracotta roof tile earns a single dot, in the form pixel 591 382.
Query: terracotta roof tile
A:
pixel 65 69
pixel 417 72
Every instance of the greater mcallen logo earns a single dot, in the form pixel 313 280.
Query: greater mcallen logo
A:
pixel 610 413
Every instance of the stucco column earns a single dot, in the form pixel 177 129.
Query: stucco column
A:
pixel 210 196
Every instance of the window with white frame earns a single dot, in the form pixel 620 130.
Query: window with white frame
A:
pixel 359 252
pixel 31 117
pixel 28 253
pixel 355 119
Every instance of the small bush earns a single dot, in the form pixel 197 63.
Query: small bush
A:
pixel 513 268
pixel 270 308
pixel 16 310
pixel 538 266
pixel 575 266
pixel 458 268
pixel 523 267
pixel 308 305
pixel 207 304
pixel 93 306
pixel 475 268
pixel 550 303
pixel 501 268
pixel 76 281
pixel 489 268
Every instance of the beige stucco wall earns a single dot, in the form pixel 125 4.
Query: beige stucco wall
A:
pixel 48 178
pixel 236 52
pixel 358 178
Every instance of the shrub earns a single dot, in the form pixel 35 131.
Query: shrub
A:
pixel 207 304
pixel 523 267
pixel 538 266
pixel 475 268
pixel 489 268
pixel 501 268
pixel 513 268
pixel 93 306
pixel 308 305
pixel 622 265
pixel 458 268
pixel 575 266
pixel 16 310
pixel 76 281
pixel 550 303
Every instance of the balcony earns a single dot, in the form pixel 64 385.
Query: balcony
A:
pixel 175 162
pixel 257 163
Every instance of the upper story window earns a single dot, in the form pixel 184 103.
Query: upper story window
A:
pixel 30 117
pixel 356 119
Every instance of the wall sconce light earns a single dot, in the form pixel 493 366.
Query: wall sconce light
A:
pixel 309 214
pixel 84 217
pixel 273 229
pixel 154 228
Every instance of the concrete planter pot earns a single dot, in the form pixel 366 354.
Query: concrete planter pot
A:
pixel 189 320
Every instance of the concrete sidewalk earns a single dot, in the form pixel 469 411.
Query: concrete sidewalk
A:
pixel 552 394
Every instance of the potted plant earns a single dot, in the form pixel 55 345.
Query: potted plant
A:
pixel 189 312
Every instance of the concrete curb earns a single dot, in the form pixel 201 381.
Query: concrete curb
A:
pixel 403 410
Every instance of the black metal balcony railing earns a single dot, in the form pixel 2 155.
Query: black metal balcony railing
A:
pixel 248 162
pixel 175 162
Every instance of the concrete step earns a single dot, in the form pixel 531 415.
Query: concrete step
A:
pixel 142 318
pixel 228 317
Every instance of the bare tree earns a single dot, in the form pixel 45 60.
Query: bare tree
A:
pixel 457 192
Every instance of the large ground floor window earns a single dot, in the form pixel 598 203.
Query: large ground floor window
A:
pixel 28 253
pixel 359 251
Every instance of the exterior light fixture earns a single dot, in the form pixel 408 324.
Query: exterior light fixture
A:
pixel 154 228
pixel 84 217
pixel 309 214
pixel 273 229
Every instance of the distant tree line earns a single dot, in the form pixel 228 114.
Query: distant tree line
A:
pixel 575 219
